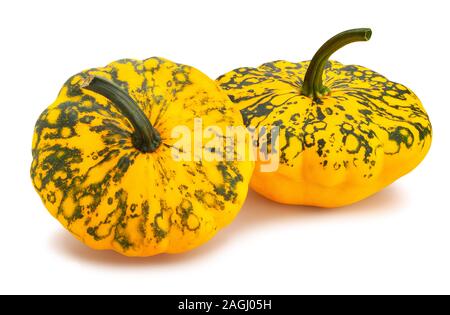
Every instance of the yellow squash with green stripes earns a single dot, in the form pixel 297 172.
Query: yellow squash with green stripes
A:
pixel 104 167
pixel 345 131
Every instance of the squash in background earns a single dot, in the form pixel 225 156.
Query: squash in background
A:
pixel 345 131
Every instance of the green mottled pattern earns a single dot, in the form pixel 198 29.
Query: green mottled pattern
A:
pixel 109 194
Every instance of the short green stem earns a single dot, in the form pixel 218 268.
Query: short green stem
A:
pixel 312 84
pixel 145 137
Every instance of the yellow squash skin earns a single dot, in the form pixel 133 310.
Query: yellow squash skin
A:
pixel 337 149
pixel 110 195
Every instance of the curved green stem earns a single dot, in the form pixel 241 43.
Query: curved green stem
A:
pixel 145 137
pixel 312 85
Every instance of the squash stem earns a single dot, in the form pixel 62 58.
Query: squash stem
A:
pixel 312 84
pixel 145 137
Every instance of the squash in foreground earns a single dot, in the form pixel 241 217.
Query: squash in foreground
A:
pixel 103 165
pixel 345 131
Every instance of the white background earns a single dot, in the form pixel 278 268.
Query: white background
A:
pixel 397 241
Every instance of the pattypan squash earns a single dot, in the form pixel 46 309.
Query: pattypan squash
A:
pixel 103 163
pixel 345 131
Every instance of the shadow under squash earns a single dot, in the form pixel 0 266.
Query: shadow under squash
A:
pixel 256 212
